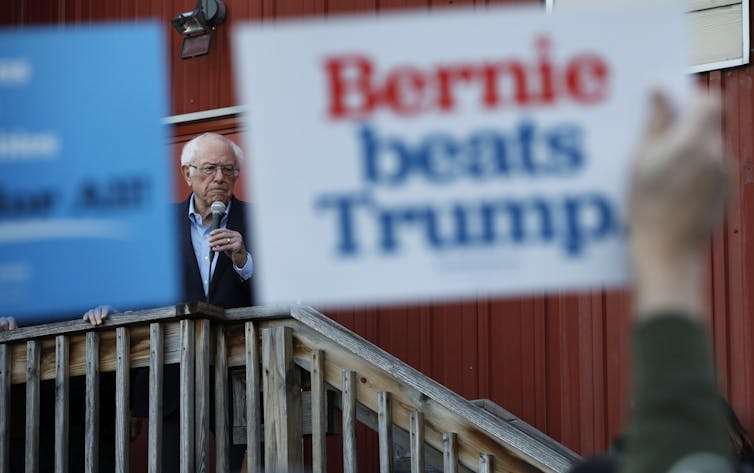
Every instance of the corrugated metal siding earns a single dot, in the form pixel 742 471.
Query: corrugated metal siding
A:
pixel 205 82
pixel 559 361
pixel 733 251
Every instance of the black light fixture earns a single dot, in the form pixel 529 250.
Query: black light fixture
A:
pixel 197 26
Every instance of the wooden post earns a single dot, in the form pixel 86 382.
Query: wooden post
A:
pixel 156 364
pixel 202 395
pixel 187 396
pixel 282 401
pixel 32 406
pixel 122 398
pixel 349 422
pixel 62 390
pixel 319 413
pixel 253 409
pixel 449 453
pixel 221 395
pixel 5 376
pixel 385 429
pixel 417 442
pixel 91 435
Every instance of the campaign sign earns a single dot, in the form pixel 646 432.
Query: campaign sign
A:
pixel 447 154
pixel 84 172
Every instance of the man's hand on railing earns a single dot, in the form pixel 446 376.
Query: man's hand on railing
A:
pixel 7 323
pixel 98 314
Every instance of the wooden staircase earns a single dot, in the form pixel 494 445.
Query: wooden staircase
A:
pixel 287 354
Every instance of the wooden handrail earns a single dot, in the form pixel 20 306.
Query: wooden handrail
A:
pixel 410 411
pixel 425 393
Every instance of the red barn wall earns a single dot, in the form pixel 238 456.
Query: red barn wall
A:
pixel 559 361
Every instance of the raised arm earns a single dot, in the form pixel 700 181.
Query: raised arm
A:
pixel 678 196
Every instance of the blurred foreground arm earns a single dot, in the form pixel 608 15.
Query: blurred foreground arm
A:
pixel 678 196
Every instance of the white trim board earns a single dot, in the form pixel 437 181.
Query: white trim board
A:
pixel 204 115
pixel 719 30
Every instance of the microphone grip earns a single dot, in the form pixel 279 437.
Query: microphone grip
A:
pixel 216 219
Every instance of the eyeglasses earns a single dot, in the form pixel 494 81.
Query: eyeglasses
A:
pixel 211 169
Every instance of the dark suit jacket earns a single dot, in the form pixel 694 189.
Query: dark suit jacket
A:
pixel 226 290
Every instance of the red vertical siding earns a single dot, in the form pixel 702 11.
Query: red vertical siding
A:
pixel 738 242
pixel 385 5
pixel 559 361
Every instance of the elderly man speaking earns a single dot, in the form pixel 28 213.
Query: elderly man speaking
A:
pixel 216 265
pixel 210 165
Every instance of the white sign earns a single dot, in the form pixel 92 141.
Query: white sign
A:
pixel 447 155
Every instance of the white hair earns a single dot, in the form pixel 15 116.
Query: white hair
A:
pixel 191 147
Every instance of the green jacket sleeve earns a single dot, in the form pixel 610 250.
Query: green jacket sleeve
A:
pixel 677 419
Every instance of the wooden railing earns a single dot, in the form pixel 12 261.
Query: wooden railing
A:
pixel 282 349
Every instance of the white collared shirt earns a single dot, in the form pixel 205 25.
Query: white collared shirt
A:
pixel 200 237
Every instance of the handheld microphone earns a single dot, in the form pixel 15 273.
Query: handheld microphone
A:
pixel 218 209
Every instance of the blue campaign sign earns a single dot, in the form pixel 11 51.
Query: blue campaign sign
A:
pixel 85 182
